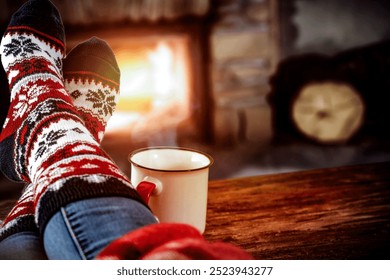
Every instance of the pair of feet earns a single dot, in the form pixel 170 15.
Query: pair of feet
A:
pixel 52 132
pixel 59 108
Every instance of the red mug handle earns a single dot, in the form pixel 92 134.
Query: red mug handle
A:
pixel 145 190
pixel 148 187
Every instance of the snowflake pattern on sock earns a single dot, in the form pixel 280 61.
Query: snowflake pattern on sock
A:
pixel 50 139
pixel 92 79
pixel 95 102
pixel 20 46
pixel 103 101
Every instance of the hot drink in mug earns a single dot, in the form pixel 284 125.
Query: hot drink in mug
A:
pixel 174 183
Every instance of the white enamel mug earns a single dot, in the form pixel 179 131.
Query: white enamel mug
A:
pixel 174 183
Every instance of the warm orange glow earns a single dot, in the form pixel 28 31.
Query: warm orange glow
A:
pixel 154 76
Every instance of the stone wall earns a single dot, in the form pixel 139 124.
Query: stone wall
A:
pixel 244 50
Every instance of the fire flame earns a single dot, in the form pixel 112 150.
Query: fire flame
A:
pixel 152 78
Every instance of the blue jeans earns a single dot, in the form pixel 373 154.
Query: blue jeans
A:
pixel 81 229
pixel 23 245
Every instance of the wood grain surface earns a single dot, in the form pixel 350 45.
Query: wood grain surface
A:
pixel 337 213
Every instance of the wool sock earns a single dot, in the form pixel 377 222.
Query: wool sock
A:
pixel 44 141
pixel 91 77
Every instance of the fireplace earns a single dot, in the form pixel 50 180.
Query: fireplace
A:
pixel 156 83
pixel 194 73
pixel 163 81
pixel 223 53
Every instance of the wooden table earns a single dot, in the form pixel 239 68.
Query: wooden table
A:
pixel 336 213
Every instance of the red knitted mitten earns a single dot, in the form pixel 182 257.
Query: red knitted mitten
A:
pixel 170 242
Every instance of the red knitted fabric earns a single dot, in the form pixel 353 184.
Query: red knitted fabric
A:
pixel 170 242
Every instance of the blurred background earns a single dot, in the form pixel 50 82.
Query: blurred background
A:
pixel 263 86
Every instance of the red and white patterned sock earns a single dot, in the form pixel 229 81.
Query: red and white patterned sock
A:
pixel 92 79
pixel 44 141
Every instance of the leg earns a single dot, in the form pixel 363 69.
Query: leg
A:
pixel 44 141
pixel 80 230
pixel 25 245
pixel 91 78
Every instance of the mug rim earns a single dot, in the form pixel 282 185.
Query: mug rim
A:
pixel 211 160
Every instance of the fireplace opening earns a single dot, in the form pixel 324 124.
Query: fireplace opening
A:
pixel 164 83
pixel 155 81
